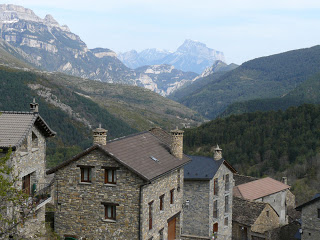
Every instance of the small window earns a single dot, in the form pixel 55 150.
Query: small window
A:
pixel 227 183
pixel 226 221
pixel 110 212
pixel 172 196
pixel 34 140
pixel 150 214
pixel 215 227
pixel 26 184
pixel 86 172
pixel 268 213
pixel 110 176
pixel 215 186
pixel 161 202
pixel 178 180
pixel 226 208
pixel 318 212
pixel 161 234
pixel 215 209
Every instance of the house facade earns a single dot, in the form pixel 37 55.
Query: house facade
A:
pixel 310 218
pixel 252 220
pixel 208 185
pixel 25 133
pixel 267 190
pixel 128 188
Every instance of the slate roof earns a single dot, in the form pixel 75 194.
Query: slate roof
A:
pixel 246 212
pixel 314 199
pixel 142 153
pixel 203 168
pixel 14 126
pixel 241 179
pixel 259 188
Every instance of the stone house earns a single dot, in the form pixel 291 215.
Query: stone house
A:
pixel 208 184
pixel 270 191
pixel 253 220
pixel 127 188
pixel 310 218
pixel 25 133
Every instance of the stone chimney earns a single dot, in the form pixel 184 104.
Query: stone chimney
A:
pixel 285 180
pixel 217 153
pixel 100 136
pixel 177 143
pixel 34 107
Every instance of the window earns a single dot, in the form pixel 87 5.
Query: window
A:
pixel 161 202
pixel 171 196
pixel 110 176
pixel 150 214
pixel 26 184
pixel 226 206
pixel 226 221
pixel 110 210
pixel 318 212
pixel 215 227
pixel 85 173
pixel 215 209
pixel 178 180
pixel 215 186
pixel 227 183
pixel 268 213
pixel 34 140
pixel 161 234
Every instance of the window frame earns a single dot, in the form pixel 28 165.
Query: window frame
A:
pixel 172 196
pixel 113 207
pixel 82 173
pixel 215 186
pixel 150 215
pixel 318 212
pixel 227 182
pixel 215 209
pixel 161 204
pixel 226 203
pixel 226 221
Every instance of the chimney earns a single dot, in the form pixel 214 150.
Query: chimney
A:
pixel 285 180
pixel 177 143
pixel 34 107
pixel 217 153
pixel 100 136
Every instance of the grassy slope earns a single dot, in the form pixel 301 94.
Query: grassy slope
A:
pixel 265 77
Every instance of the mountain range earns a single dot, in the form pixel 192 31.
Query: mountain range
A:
pixel 45 44
pixel 191 56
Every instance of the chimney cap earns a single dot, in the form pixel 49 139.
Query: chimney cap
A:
pixel 217 148
pixel 100 129
pixel 177 130
pixel 34 107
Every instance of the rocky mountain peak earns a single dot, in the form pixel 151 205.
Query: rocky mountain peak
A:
pixel 50 20
pixel 9 12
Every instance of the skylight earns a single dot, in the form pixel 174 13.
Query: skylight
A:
pixel 154 159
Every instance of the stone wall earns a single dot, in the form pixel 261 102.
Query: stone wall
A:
pixel 79 210
pixel 267 220
pixel 278 202
pixel 310 221
pixel 198 217
pixel 152 192
pixel 224 231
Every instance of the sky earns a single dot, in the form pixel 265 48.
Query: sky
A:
pixel 241 29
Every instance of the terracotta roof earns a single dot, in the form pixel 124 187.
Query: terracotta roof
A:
pixel 14 126
pixel 246 212
pixel 142 153
pixel 259 188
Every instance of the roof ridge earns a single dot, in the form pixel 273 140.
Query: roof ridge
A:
pixel 18 112
pixel 128 136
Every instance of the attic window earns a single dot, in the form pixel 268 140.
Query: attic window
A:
pixel 34 140
pixel 154 159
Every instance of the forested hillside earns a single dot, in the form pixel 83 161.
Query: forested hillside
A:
pixel 306 92
pixel 273 143
pixel 266 77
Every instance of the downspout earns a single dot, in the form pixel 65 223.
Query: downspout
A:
pixel 140 207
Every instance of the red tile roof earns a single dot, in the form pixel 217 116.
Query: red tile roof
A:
pixel 259 188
